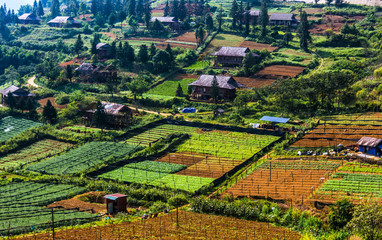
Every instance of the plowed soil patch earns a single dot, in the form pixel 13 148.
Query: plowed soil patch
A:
pixel 284 184
pixel 334 23
pixel 44 101
pixel 210 167
pixel 173 45
pixel 83 206
pixel 184 158
pixel 255 82
pixel 277 71
pixel 187 37
pixel 77 61
pixel 259 46
pixel 191 226
pixel 187 76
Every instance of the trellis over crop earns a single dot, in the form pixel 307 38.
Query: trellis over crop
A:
pixel 22 206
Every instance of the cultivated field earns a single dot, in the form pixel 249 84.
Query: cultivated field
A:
pixel 83 158
pixel 255 82
pixel 168 87
pixel 279 71
pixel 284 180
pixel 44 101
pixel 191 226
pixel 228 40
pixel 34 152
pixel 11 126
pixel 334 23
pixel 22 206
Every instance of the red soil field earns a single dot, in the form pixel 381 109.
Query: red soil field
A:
pixel 173 45
pixel 185 76
pixel 157 11
pixel 96 202
pixel 43 102
pixel 259 46
pixel 86 16
pixel 187 37
pixel 148 39
pixel 277 71
pixel 110 35
pixel 333 22
pixel 285 184
pixel 72 62
pixel 254 82
pixel 184 158
pixel 191 226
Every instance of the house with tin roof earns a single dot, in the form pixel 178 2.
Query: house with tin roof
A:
pixel 103 50
pixel 63 21
pixel 231 56
pixel 167 21
pixel 29 18
pixel 286 19
pixel 201 88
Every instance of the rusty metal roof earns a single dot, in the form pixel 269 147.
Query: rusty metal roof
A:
pixel 369 141
pixel 115 196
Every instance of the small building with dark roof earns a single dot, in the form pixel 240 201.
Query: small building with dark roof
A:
pixel 370 145
pixel 168 21
pixel 103 50
pixel 64 21
pixel 253 16
pixel 116 203
pixel 18 93
pixel 91 73
pixel 85 70
pixel 200 89
pixel 231 56
pixel 29 18
pixel 286 19
pixel 118 115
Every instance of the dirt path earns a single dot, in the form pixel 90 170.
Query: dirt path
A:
pixel 322 60
pixel 31 82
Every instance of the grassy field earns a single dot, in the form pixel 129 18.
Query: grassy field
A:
pixel 226 40
pixel 11 126
pixel 22 205
pixel 83 158
pixel 168 87
pixel 36 151
pixel 186 183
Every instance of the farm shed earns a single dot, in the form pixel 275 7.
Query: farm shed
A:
pixel 118 115
pixel 18 93
pixel 168 21
pixel 227 87
pixel 103 50
pixel 64 21
pixel 370 145
pixel 228 56
pixel 29 18
pixel 286 19
pixel 90 72
pixel 116 203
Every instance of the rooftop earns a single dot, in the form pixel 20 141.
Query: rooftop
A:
pixel 102 45
pixel 63 19
pixel 369 141
pixel 231 51
pixel 281 17
pixel 115 196
pixel 226 82
pixel 16 91
pixel 163 19
pixel 275 119
pixel 29 16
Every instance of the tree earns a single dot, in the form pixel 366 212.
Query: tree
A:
pixel 140 10
pixel 288 36
pixel 132 8
pixel 166 11
pixel 234 13
pixel 177 201
pixel 263 18
pixel 130 54
pixel 338 2
pixel 240 15
pixel 49 113
pixel 367 220
pixel 303 31
pixel 35 8
pixel 162 61
pixel 199 35
pixel 30 106
pixel 152 50
pixel 10 101
pixel 169 51
pixel 137 87
pixel 214 92
pixel 341 213
pixel 40 9
pixel 247 17
pixel 157 26
pixel 113 50
pixel 182 11
pixel 329 2
pixel 112 19
pixel 179 91
pixel 122 17
pixel 174 12
pixel 94 7
pixel 209 22
pixel 248 61
pixel 69 72
pixel 147 14
pixel 55 8
pixel 99 117
pixel 220 18
pixel 143 54
pixel 22 104
pixel 79 45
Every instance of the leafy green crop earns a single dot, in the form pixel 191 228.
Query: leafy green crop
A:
pixel 11 126
pixel 187 183
pixel 157 166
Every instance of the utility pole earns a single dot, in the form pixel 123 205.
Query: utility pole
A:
pixel 53 224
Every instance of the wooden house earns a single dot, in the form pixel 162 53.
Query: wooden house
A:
pixel 285 19
pixel 18 93
pixel 63 21
pixel 201 88
pixel 168 21
pixel 370 145
pixel 103 50
pixel 29 18
pixel 118 115
pixel 231 56
pixel 253 17
pixel 116 203
pixel 85 71
pixel 91 73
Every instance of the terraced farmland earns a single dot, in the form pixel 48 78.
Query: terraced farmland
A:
pixel 286 180
pixel 21 206
pixel 34 152
pixel 83 158
pixel 11 126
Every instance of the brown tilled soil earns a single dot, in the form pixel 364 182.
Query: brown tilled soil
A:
pixel 255 82
pixel 191 226
pixel 276 71
pixel 43 102
pixel 258 46
pixel 333 22
pixel 91 201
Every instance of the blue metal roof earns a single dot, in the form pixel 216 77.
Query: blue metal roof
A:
pixel 274 119
pixel 111 198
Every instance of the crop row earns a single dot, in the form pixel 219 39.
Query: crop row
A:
pixel 11 126
pixel 304 165
pixel 38 150
pixel 358 167
pixel 83 158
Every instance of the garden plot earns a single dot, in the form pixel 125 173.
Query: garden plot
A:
pixel 284 180
pixel 22 206
pixel 279 71
pixel 83 158
pixel 34 152
pixel 191 226
pixel 255 82
pixel 11 126
pixel 228 40
pixel 334 23
pixel 169 87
